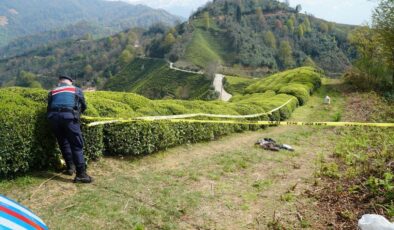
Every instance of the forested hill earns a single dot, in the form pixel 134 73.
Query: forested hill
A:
pixel 258 34
pixel 88 61
pixel 20 18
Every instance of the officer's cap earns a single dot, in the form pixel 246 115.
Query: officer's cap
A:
pixel 65 77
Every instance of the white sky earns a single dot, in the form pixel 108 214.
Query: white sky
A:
pixel 343 11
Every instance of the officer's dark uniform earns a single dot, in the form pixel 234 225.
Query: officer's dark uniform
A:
pixel 65 104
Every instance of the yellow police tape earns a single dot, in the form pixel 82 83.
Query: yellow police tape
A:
pixel 103 121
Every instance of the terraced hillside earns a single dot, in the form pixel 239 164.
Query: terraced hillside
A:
pixel 154 79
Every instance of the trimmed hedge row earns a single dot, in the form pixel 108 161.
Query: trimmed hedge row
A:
pixel 299 82
pixel 28 144
pixel 146 137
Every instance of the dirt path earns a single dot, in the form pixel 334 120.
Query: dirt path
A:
pixel 185 71
pixel 218 84
pixel 225 184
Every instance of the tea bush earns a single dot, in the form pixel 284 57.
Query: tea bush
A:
pixel 27 142
pixel 237 85
pixel 147 137
pixel 300 82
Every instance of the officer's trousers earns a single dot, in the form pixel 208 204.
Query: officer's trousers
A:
pixel 69 136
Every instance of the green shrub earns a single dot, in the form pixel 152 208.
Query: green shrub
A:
pixel 299 82
pixel 25 137
pixel 237 85
pixel 142 137
pixel 28 144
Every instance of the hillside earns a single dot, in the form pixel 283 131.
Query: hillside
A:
pixel 256 34
pixel 154 79
pixel 229 37
pixel 19 18
pixel 73 32
pixel 89 61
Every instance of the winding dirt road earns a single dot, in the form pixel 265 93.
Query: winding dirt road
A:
pixel 218 84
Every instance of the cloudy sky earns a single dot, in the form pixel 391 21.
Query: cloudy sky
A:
pixel 342 11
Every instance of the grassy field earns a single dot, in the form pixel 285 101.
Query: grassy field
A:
pixel 225 184
pixel 154 79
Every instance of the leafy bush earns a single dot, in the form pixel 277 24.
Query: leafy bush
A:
pixel 25 137
pixel 147 137
pixel 300 82
pixel 237 85
pixel 28 144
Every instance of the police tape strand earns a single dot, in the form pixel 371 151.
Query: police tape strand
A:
pixel 109 120
pixel 269 123
pixel 182 116
pixel 182 119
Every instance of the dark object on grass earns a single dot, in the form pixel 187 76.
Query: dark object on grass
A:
pixel 270 144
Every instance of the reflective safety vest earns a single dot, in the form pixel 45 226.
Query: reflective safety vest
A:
pixel 64 96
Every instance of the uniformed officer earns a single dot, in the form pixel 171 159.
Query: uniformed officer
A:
pixel 65 104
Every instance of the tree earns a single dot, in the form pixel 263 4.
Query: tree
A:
pixel 126 57
pixel 206 20
pixel 132 37
pixel 239 14
pixel 369 72
pixel 383 23
pixel 270 39
pixel 88 69
pixel 226 8
pixel 290 25
pixel 307 25
pixel 27 79
pixel 260 15
pixel 286 54
pixel 298 8
pixel 323 27
pixel 300 31
pixel 169 39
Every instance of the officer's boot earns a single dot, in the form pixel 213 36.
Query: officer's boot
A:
pixel 82 176
pixel 70 168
